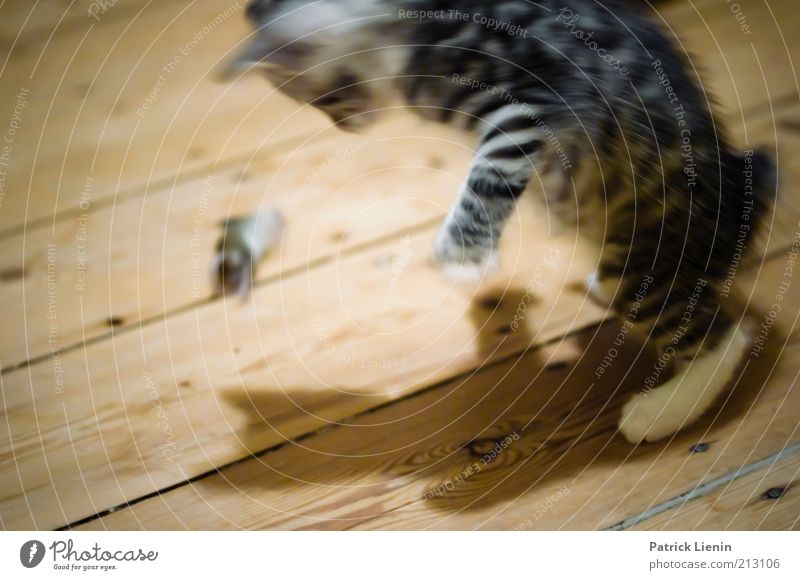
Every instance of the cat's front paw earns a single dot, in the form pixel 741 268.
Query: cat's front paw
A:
pixel 463 263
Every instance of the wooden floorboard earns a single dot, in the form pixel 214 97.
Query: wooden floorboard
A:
pixel 742 70
pixel 130 104
pixel 24 20
pixel 362 380
pixel 399 467
pixel 318 357
pixel 766 499
pixel 165 239
pixel 85 374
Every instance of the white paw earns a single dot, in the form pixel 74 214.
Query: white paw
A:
pixel 644 418
pixel 471 273
pixel 470 264
pixel 600 292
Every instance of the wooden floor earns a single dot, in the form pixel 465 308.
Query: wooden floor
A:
pixel 356 389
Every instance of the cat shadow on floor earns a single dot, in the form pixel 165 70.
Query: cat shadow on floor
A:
pixel 499 317
pixel 530 421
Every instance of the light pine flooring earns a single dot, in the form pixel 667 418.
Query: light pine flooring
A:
pixel 356 389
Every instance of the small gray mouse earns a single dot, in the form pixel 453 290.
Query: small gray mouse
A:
pixel 244 242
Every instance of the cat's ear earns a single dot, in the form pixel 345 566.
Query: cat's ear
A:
pixel 261 54
pixel 257 10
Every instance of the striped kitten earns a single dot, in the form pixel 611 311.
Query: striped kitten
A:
pixel 590 92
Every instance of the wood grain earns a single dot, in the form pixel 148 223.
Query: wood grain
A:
pixel 24 20
pixel 109 269
pixel 312 356
pixel 399 467
pixel 87 87
pixel 365 384
pixel 765 500
pixel 165 239
pixel 92 280
pixel 128 105
pixel 741 68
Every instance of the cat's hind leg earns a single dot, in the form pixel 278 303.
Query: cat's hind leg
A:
pixel 675 404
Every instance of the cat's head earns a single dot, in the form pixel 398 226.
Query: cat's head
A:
pixel 337 55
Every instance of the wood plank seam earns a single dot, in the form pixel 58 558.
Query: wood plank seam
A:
pixel 164 184
pixel 387 405
pixel 771 508
pixel 766 499
pixel 706 488
pixel 597 434
pixel 730 393
pixel 771 255
pixel 277 277
pixel 787 341
pixel 437 385
pixel 659 507
pixel 179 308
pixel 736 473
pixel 776 105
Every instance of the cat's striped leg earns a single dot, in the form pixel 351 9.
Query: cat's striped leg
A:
pixel 468 242
pixel 466 247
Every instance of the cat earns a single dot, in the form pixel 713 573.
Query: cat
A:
pixel 592 93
